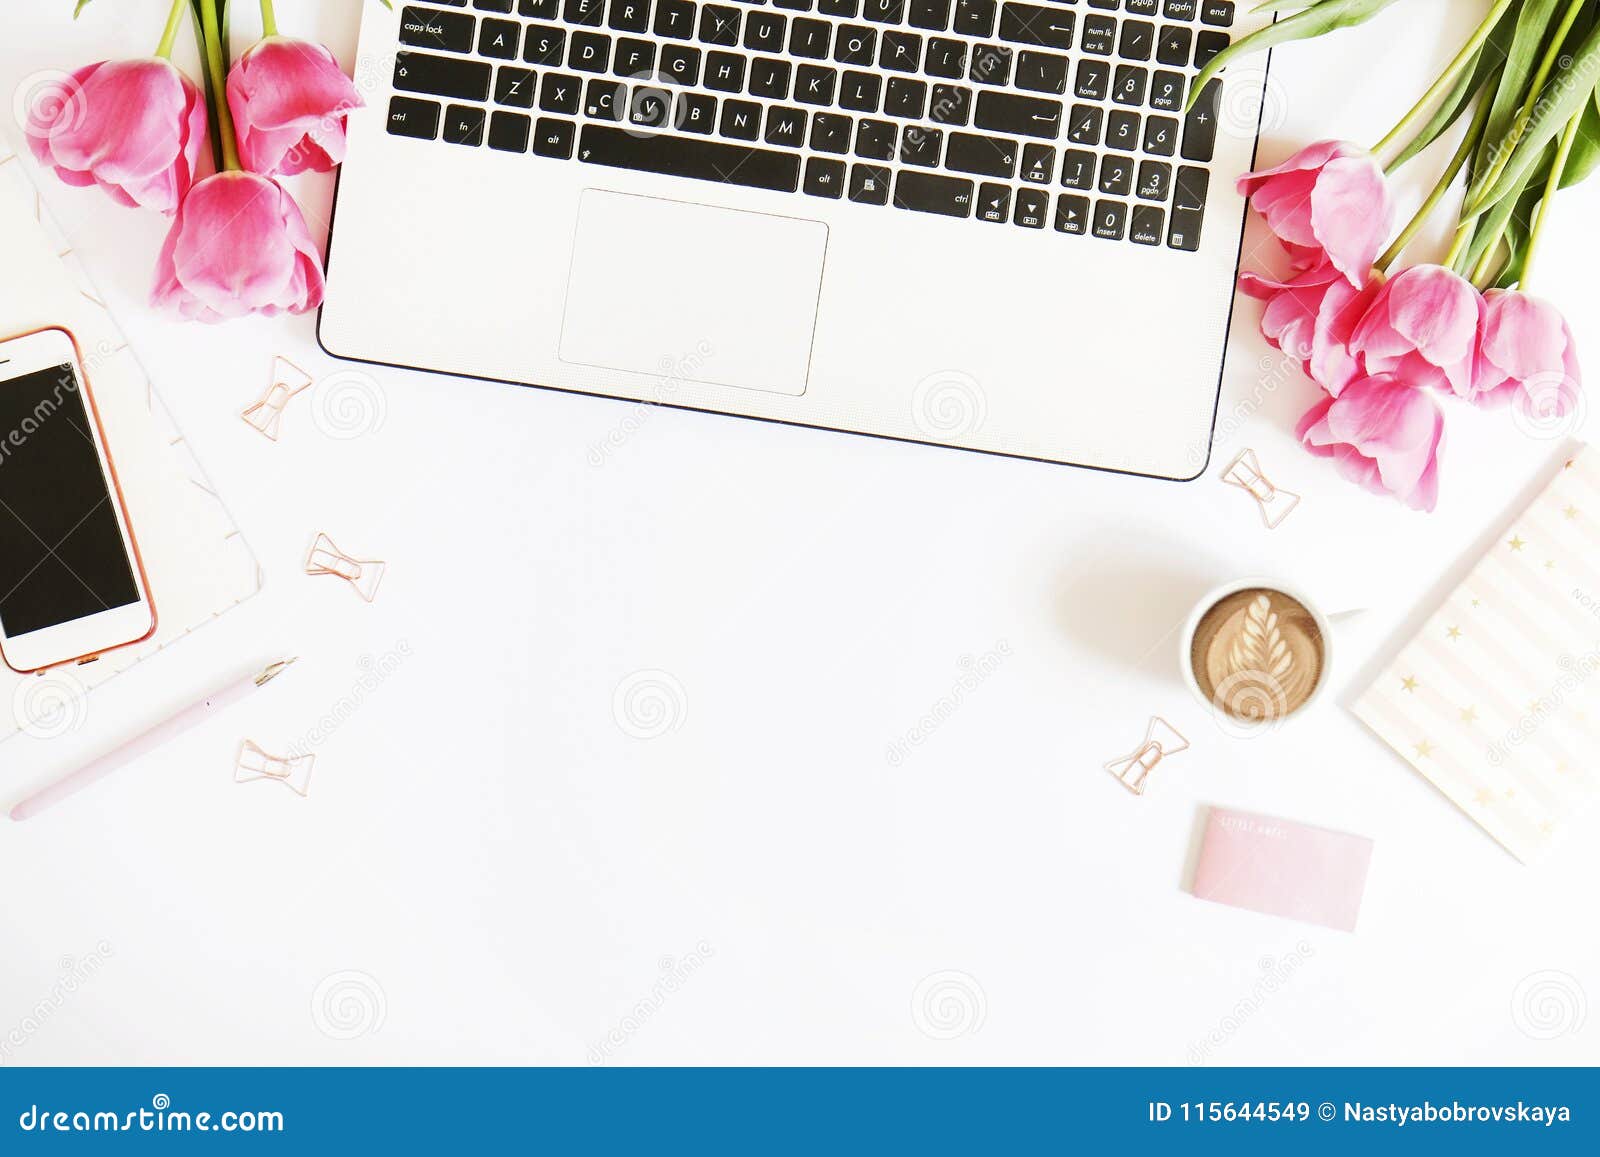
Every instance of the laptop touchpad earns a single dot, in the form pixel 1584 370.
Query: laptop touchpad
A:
pixel 693 292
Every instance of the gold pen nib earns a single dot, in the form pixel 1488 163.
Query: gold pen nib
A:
pixel 273 671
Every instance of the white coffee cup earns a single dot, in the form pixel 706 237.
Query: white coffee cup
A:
pixel 1215 596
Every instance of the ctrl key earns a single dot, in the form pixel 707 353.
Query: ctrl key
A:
pixel 413 118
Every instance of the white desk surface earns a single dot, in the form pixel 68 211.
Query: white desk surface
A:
pixel 491 869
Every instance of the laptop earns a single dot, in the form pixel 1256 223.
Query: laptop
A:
pixel 981 224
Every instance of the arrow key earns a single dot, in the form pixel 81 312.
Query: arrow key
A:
pixel 994 203
pixel 1072 214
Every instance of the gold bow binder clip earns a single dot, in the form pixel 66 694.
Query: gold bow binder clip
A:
pixel 266 415
pixel 364 574
pixel 1161 739
pixel 1275 503
pixel 254 763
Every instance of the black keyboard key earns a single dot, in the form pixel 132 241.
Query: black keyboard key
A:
pixel 765 31
pixel 1148 225
pixel 930 14
pixel 994 203
pixel 1077 169
pixel 544 44
pixel 985 156
pixel 1023 116
pixel 514 87
pixel 719 24
pixel 413 118
pixel 680 64
pixel 560 93
pixel 1160 136
pixel 869 185
pixel 585 12
pixel 1042 71
pixel 769 77
pixel 830 132
pixel 499 39
pixel 650 108
pixel 634 58
pixel 1166 91
pixel 848 9
pixel 1038 163
pixel 920 146
pixel 442 76
pixel 933 193
pixel 786 126
pixel 589 52
pixel 553 138
pixel 1155 180
pixel 463 125
pixel 810 38
pixel 854 44
pixel 824 177
pixel 741 119
pixel 1092 80
pixel 1138 40
pixel 901 51
pixel 1116 176
pixel 1207 45
pixel 1173 44
pixel 675 18
pixel 905 98
pixel 695 112
pixel 814 84
pixel 991 64
pixel 1188 208
pixel 605 100
pixel 794 5
pixel 1178 9
pixel 724 71
pixel 485 5
pixel 1144 7
pixel 1072 214
pixel 509 131
pixel 875 140
pixel 951 104
pixel 1130 85
pixel 1218 12
pixel 1200 126
pixel 1038 26
pixel 697 159
pixel 1122 130
pixel 1110 220
pixel 883 11
pixel 974 17
pixel 630 15
pixel 946 58
pixel 540 9
pixel 860 91
pixel 1083 126
pixel 1099 35
pixel 1032 206
pixel 440 31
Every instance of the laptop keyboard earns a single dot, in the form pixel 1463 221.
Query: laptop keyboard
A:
pixel 1063 114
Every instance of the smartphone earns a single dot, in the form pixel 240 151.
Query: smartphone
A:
pixel 71 583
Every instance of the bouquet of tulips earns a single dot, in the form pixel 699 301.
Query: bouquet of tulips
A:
pixel 1384 343
pixel 144 132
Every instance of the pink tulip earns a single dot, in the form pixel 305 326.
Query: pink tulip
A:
pixel 1327 203
pixel 239 245
pixel 1527 356
pixel 1311 317
pixel 133 127
pixel 290 100
pixel 1424 327
pixel 1382 434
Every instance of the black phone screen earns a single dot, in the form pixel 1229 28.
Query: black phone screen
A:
pixel 61 551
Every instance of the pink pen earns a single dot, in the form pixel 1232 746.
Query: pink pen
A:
pixel 158 735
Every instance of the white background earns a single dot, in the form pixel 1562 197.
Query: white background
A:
pixel 511 872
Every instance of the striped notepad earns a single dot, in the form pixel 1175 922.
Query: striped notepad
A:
pixel 1497 698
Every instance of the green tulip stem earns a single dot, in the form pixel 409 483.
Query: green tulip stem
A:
pixel 1469 50
pixel 269 19
pixel 1551 187
pixel 1469 143
pixel 217 68
pixel 170 34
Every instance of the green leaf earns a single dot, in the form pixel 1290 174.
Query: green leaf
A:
pixel 1321 17
pixel 78 10
pixel 1484 72
pixel 1522 56
pixel 1563 97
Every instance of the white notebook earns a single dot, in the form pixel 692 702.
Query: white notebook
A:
pixel 197 562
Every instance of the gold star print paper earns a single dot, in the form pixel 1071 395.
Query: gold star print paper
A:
pixel 1487 700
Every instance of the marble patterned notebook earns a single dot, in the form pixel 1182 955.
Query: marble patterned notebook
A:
pixel 1497 699
pixel 198 563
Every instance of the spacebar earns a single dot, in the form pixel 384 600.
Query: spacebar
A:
pixel 685 157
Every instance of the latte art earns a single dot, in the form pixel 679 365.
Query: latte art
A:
pixel 1257 655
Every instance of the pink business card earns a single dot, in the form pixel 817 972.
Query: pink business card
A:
pixel 1282 868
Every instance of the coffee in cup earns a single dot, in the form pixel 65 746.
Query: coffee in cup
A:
pixel 1256 653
